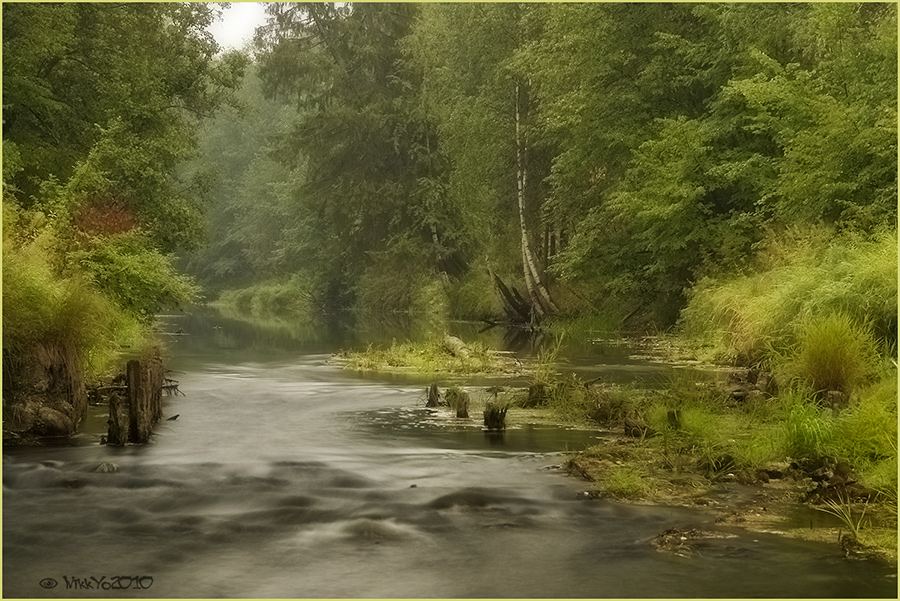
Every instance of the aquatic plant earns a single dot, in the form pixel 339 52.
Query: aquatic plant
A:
pixel 843 509
pixel 495 415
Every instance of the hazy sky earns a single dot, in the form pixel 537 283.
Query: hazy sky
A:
pixel 238 23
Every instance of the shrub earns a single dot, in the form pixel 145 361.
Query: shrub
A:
pixel 140 279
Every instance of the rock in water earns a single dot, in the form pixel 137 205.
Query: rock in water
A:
pixel 635 426
pixel 106 468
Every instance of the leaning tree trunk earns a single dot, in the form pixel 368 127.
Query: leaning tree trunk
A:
pixel 538 294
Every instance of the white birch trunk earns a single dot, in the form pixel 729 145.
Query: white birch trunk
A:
pixel 536 290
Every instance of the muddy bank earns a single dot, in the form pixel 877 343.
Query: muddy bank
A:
pixel 782 498
pixel 47 398
pixel 44 393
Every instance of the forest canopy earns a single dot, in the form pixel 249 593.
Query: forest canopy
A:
pixel 400 156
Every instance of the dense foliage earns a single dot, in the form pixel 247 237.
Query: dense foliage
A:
pixel 591 154
pixel 101 104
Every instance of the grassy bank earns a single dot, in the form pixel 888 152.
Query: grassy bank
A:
pixel 441 356
pixel 811 330
pixel 762 315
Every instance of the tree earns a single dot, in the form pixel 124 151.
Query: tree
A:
pixel 481 97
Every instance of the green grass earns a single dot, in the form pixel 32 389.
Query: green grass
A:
pixel 429 357
pixel 799 279
pixel 625 482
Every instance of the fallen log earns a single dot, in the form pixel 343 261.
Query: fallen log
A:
pixel 456 347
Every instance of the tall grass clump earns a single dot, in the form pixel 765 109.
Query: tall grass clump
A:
pixel 833 353
pixel 747 318
pixel 625 482
pixel 865 435
pixel 808 430
pixel 495 415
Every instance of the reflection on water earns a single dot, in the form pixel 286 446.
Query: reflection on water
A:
pixel 287 477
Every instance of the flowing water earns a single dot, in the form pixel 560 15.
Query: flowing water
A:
pixel 285 476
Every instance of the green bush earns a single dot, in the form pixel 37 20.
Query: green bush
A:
pixel 139 278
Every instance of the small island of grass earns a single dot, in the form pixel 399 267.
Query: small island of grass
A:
pixel 444 356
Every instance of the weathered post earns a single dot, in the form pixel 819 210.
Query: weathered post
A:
pixel 117 434
pixel 139 425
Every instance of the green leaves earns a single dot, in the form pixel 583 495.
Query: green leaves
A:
pixel 138 279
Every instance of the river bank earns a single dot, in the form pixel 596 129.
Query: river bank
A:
pixel 734 444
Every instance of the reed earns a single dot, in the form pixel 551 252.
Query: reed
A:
pixel 495 415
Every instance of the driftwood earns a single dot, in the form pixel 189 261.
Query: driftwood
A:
pixel 518 310
pixel 456 347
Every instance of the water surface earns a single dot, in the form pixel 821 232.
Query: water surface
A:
pixel 285 476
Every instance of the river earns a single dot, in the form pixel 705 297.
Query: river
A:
pixel 285 476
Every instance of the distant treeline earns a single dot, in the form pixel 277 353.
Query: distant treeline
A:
pixel 395 157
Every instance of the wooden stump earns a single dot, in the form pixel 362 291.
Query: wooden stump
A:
pixel 145 381
pixel 117 434
pixel 434 396
pixel 458 399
